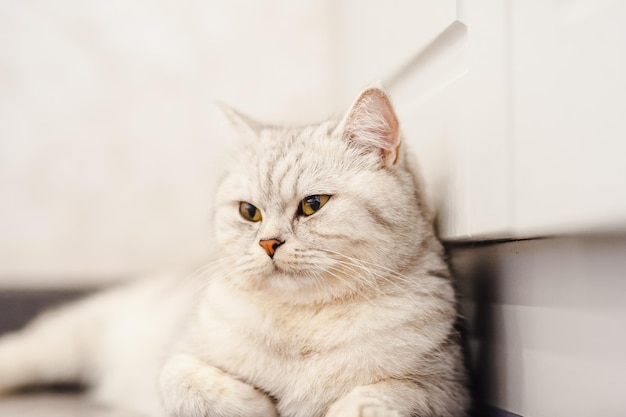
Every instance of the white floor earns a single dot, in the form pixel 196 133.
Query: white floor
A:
pixel 55 405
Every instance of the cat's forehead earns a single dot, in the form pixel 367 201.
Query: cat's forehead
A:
pixel 291 141
pixel 308 146
pixel 288 162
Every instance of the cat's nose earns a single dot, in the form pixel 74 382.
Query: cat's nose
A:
pixel 270 246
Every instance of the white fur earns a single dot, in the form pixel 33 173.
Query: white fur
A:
pixel 352 317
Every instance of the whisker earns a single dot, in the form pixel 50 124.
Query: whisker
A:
pixel 381 273
pixel 207 269
pixel 353 288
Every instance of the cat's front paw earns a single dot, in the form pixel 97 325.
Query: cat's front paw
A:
pixel 356 406
pixel 190 388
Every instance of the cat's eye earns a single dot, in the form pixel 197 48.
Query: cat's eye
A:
pixel 249 212
pixel 312 203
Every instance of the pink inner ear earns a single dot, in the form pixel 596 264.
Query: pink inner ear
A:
pixel 373 124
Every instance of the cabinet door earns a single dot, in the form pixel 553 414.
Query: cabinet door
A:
pixel 445 65
pixel 517 109
pixel 569 78
pixel 454 98
pixel 373 39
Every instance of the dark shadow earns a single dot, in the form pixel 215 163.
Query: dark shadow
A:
pixel 18 307
pixel 477 281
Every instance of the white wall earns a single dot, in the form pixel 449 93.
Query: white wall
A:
pixel 109 138
pixel 109 141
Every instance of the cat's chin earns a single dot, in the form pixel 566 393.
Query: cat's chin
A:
pixel 285 280
pixel 280 267
pixel 281 272
pixel 287 277
pixel 294 286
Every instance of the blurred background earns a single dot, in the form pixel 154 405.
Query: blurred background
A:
pixel 109 136
pixel 110 144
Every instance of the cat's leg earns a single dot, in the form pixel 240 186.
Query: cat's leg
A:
pixel 191 388
pixel 399 398
pixel 50 350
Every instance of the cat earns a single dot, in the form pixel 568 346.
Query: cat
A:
pixel 328 293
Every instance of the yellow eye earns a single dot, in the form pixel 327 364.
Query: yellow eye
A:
pixel 312 203
pixel 249 212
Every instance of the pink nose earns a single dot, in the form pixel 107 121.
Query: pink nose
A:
pixel 270 246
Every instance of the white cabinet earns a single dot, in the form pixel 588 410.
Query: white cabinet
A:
pixel 454 101
pixel 517 109
pixel 569 96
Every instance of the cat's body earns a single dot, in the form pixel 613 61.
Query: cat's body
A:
pixel 328 295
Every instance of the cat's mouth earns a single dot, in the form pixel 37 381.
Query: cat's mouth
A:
pixel 269 267
pixel 282 269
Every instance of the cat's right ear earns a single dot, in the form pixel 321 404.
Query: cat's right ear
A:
pixel 372 125
pixel 243 124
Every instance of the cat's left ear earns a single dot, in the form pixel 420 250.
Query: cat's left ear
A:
pixel 239 121
pixel 372 124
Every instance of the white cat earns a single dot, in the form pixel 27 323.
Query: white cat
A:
pixel 328 294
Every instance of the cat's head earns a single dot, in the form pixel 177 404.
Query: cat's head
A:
pixel 322 211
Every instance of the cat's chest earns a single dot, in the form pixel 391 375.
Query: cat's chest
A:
pixel 235 328
pixel 322 352
pixel 296 353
